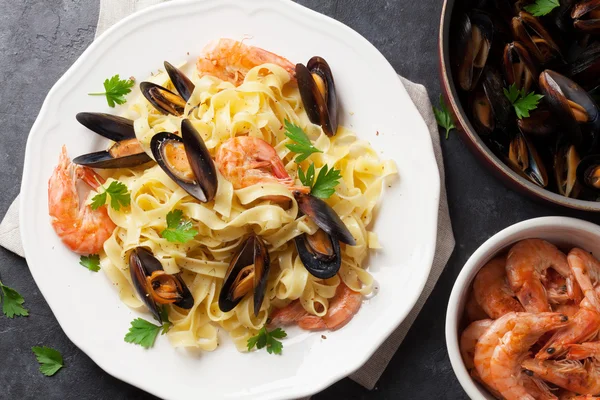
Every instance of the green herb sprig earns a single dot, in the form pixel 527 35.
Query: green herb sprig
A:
pixel 50 359
pixel 12 302
pixel 324 184
pixel 267 339
pixel 302 144
pixel 119 196
pixel 522 102
pixel 179 230
pixel 115 90
pixel 443 117
pixel 542 7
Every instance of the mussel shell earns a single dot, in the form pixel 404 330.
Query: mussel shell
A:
pixel 566 161
pixel 252 252
pixel 585 170
pixel 107 125
pixel 524 159
pixel 585 69
pixel 158 96
pixel 319 266
pixel 541 122
pixel 579 13
pixel 493 87
pixel 182 83
pixel 324 217
pixel 321 108
pixel 471 59
pixel 523 26
pixel 515 53
pixel 104 160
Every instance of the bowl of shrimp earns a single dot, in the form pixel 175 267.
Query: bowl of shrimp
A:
pixel 524 314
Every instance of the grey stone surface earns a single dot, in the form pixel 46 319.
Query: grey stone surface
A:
pixel 40 39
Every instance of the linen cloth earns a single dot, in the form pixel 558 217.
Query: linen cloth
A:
pixel 112 11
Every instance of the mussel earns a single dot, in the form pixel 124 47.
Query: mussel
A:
pixel 126 152
pixel 566 160
pixel 182 83
pixel 540 123
pixel 519 67
pixel 524 159
pixel 585 69
pixel 154 286
pixel 586 15
pixel 493 87
pixel 317 89
pixel 165 100
pixel 475 35
pixel 320 252
pixel 588 172
pixel 531 33
pixel 247 273
pixel 186 161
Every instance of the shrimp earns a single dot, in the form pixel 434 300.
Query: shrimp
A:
pixel 82 230
pixel 505 364
pixel 473 309
pixel 342 307
pixel 584 350
pixel 469 338
pixel 586 269
pixel 492 292
pixel 576 376
pixel 230 60
pixel 526 266
pixel 583 326
pixel 247 160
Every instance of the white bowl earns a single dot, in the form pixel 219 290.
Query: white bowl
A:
pixel 561 231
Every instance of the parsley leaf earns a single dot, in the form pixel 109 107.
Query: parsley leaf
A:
pixel 307 180
pixel 178 229
pixel 91 262
pixel 119 196
pixel 142 332
pixel 522 102
pixel 12 302
pixel 443 117
pixel 50 360
pixel 164 315
pixel 115 90
pixel 542 7
pixel 267 339
pixel 324 186
pixel 302 144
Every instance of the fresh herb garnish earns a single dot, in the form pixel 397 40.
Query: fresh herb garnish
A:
pixel 178 229
pixel 12 302
pixel 302 144
pixel 327 179
pixel 119 196
pixel 443 117
pixel 542 7
pixel 91 262
pixel 267 339
pixel 144 333
pixel 115 90
pixel 50 360
pixel 522 101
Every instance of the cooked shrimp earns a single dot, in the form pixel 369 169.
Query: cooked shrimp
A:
pixel 583 326
pixel 578 377
pixel 82 230
pixel 567 309
pixel 473 309
pixel 586 269
pixel 526 266
pixel 556 288
pixel 230 60
pixel 342 307
pixel 584 350
pixel 492 292
pixel 505 364
pixel 469 338
pixel 247 160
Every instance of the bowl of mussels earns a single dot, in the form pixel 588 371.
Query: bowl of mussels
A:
pixel 522 79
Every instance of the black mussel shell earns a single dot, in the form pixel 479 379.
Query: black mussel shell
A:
pixel 585 69
pixel 566 161
pixel 475 36
pixel 104 160
pixel 320 264
pixel 519 67
pixel 248 272
pixel 143 264
pixel 588 172
pixel 182 83
pixel 107 125
pixel 481 110
pixel 541 122
pixel 163 99
pixel 524 159
pixel 201 180
pixel 493 87
pixel 324 217
pixel 318 92
pixel 587 16
pixel 531 33
pixel 562 17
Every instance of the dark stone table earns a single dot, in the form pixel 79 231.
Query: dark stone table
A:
pixel 40 39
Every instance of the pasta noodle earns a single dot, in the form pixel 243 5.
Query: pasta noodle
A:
pixel 219 111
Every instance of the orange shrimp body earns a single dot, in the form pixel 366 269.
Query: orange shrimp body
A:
pixel 230 60
pixel 586 270
pixel 578 377
pixel 584 350
pixel 492 292
pixel 469 338
pixel 81 229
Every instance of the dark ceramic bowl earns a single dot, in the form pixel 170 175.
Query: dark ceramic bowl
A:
pixel 470 136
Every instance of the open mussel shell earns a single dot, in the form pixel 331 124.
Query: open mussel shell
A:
pixel 318 93
pixel 163 99
pixel 182 83
pixel 566 161
pixel 587 16
pixel 320 253
pixel 247 273
pixel 475 36
pixel 519 67
pixel 493 86
pixel 588 172
pixel 541 122
pixel 528 30
pixel 324 217
pixel 524 159
pixel 126 152
pixel 154 286
pixel 585 69
pixel 186 161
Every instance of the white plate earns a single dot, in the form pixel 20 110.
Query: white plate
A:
pixel 375 105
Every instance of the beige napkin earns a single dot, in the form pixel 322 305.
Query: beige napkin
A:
pixel 112 11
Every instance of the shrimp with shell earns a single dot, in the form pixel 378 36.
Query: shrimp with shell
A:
pixel 492 291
